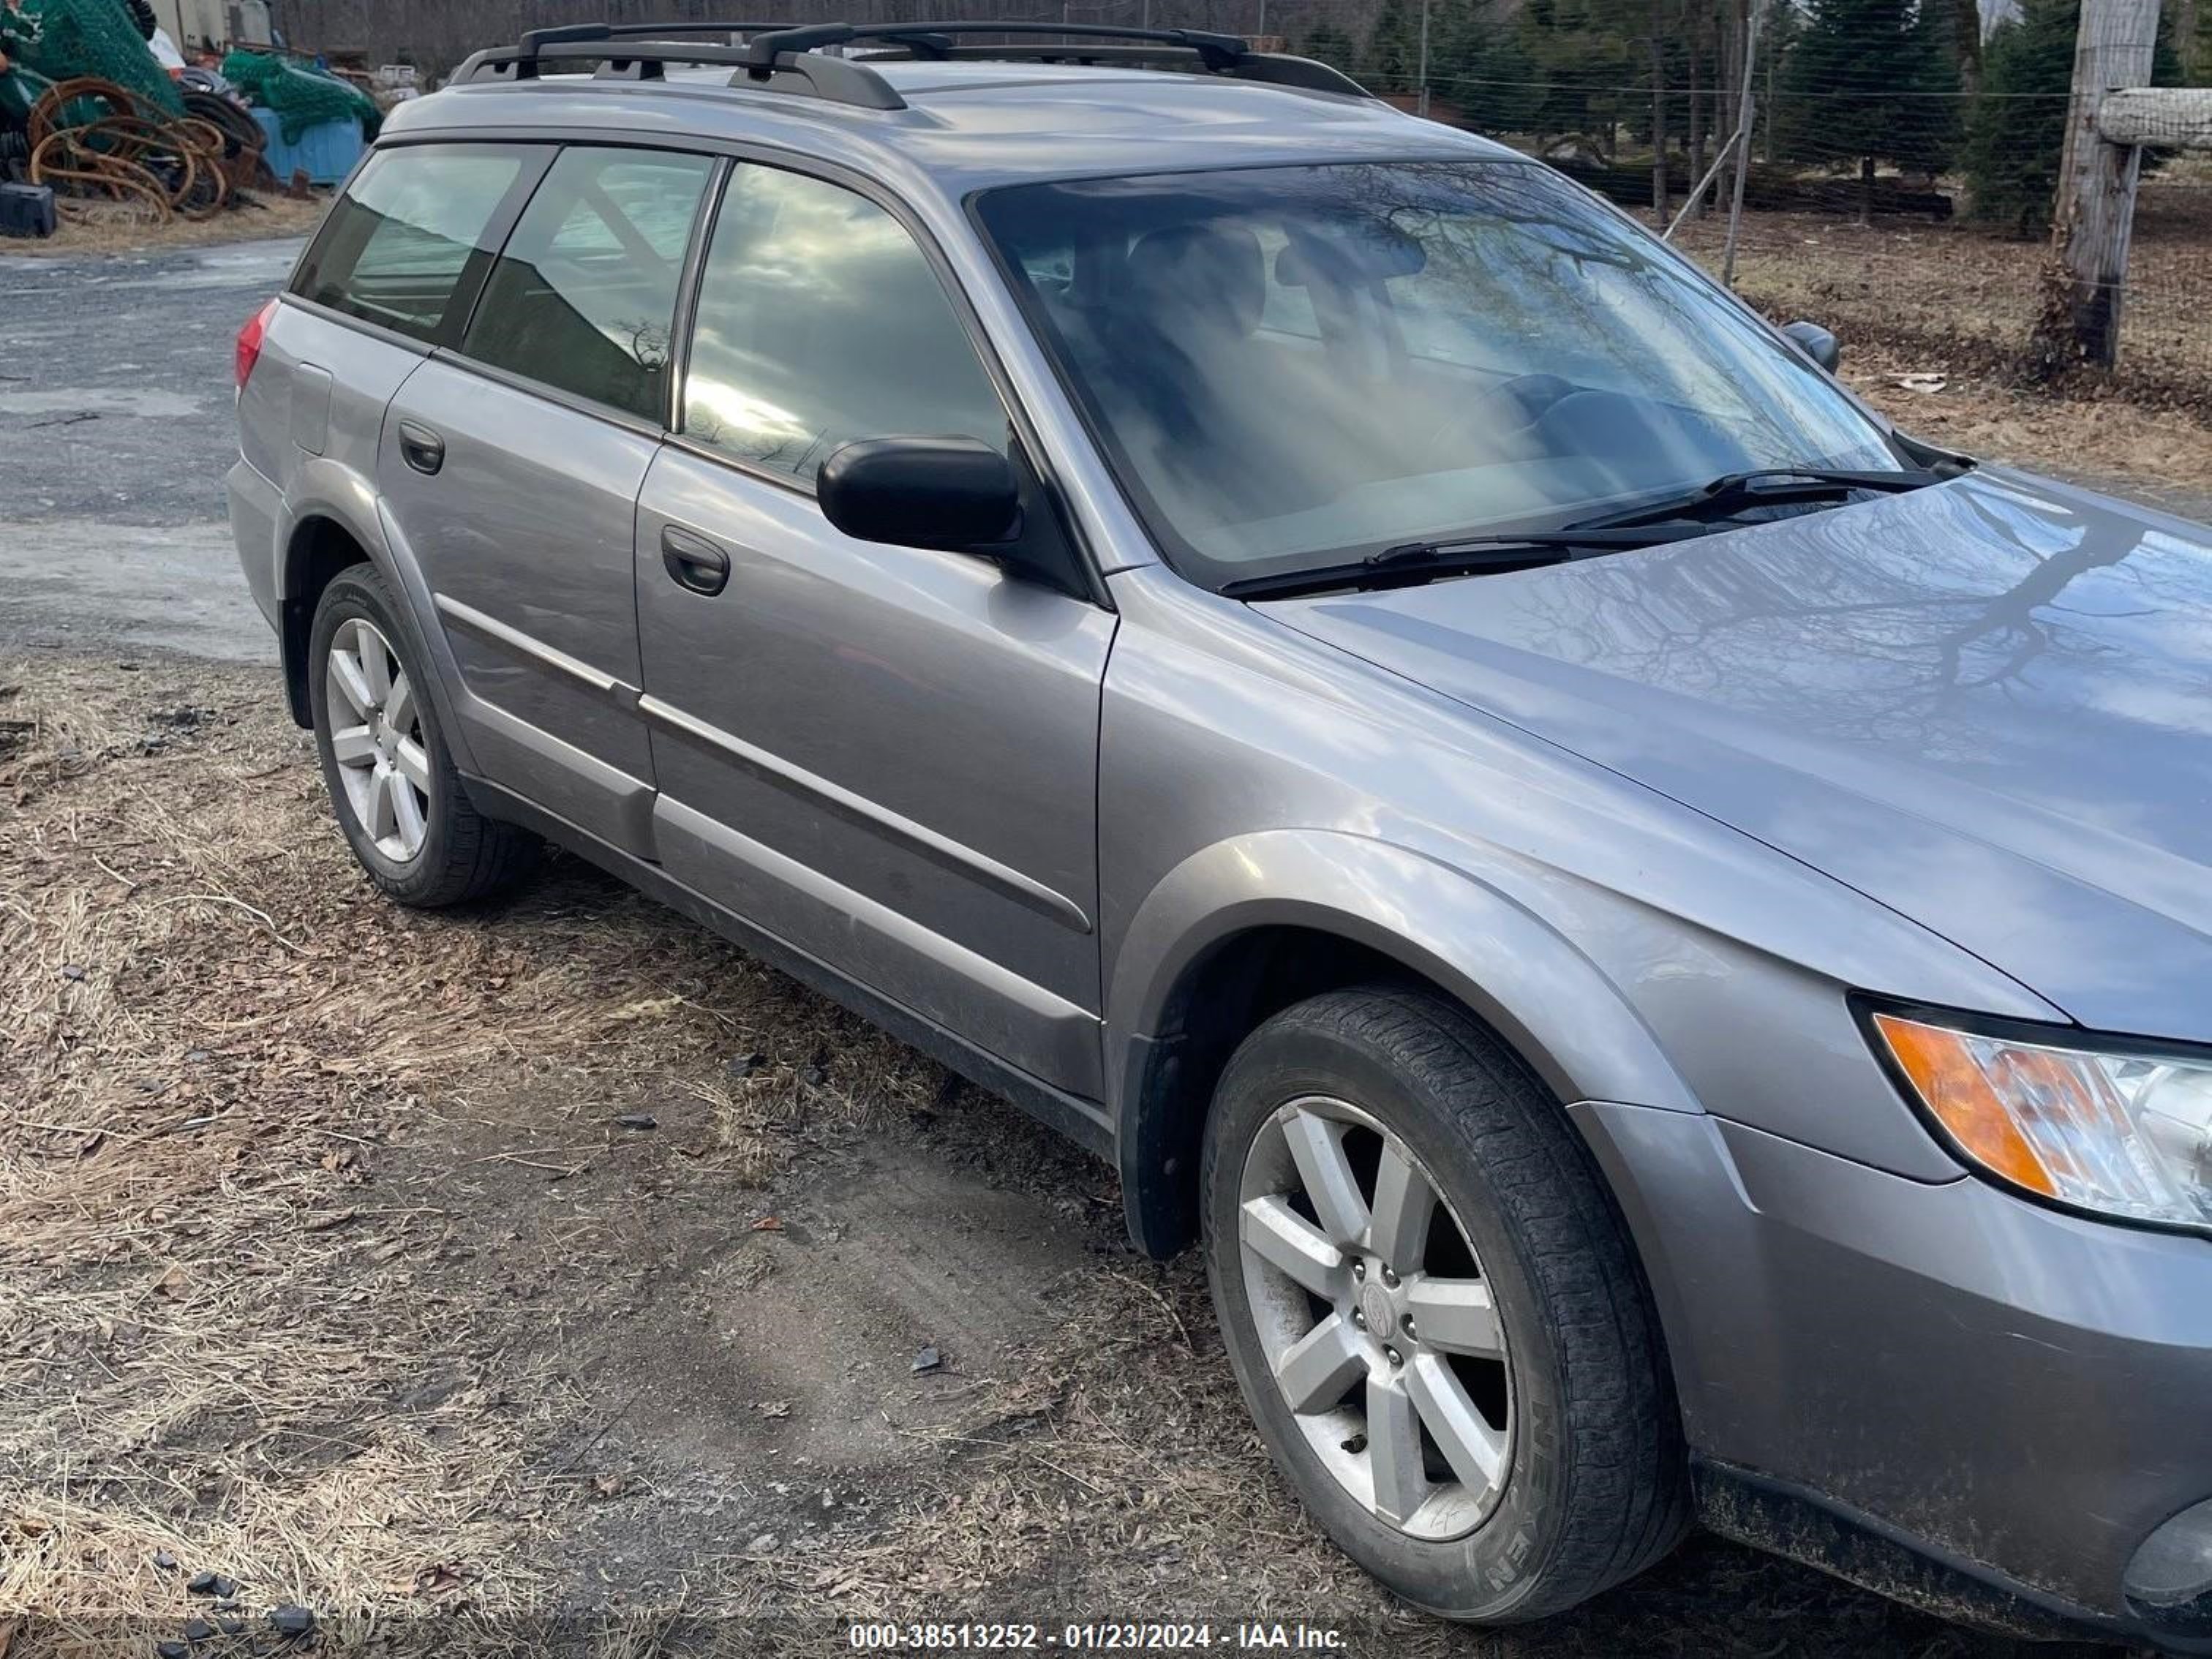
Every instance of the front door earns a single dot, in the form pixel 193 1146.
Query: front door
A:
pixel 886 756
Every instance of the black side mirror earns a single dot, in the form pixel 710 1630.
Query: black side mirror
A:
pixel 1817 342
pixel 953 493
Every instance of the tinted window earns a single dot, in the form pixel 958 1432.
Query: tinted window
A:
pixel 399 246
pixel 820 322
pixel 583 296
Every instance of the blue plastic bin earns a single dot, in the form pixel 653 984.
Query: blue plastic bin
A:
pixel 327 150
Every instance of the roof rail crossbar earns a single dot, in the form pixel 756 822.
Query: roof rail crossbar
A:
pixel 1275 68
pixel 784 58
pixel 1218 52
pixel 590 42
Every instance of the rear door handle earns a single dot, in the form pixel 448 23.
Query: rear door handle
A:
pixel 420 448
pixel 693 561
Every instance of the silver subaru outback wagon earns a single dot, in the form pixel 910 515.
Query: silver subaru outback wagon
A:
pixel 1654 929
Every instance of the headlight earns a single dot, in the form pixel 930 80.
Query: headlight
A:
pixel 2127 1134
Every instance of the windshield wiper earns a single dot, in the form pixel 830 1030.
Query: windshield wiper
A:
pixel 1733 491
pixel 1411 563
pixel 1674 519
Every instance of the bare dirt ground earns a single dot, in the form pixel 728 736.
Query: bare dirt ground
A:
pixel 553 1277
pixel 1964 296
pixel 2121 447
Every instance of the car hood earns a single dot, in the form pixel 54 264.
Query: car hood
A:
pixel 1986 704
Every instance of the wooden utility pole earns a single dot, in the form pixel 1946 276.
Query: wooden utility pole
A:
pixel 1693 40
pixel 1755 15
pixel 1422 103
pixel 2094 216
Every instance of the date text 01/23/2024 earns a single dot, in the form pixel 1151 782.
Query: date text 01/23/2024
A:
pixel 1125 1636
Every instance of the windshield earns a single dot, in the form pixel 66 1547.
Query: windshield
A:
pixel 1291 366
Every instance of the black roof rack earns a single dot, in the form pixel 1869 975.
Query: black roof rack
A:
pixel 784 58
pixel 1277 69
pixel 537 39
pixel 621 51
pixel 1216 54
pixel 1218 51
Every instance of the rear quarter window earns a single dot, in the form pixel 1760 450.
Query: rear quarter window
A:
pixel 409 243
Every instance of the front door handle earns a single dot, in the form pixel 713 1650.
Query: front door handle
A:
pixel 693 561
pixel 420 448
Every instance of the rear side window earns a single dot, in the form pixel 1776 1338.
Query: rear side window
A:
pixel 820 322
pixel 407 244
pixel 583 296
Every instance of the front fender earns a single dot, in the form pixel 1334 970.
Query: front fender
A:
pixel 1535 987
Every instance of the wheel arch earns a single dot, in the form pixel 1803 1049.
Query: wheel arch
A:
pixel 336 523
pixel 317 549
pixel 1250 927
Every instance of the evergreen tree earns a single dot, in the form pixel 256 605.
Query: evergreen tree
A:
pixel 1872 80
pixel 1391 63
pixel 1332 47
pixel 2019 123
pixel 1481 61
pixel 2018 128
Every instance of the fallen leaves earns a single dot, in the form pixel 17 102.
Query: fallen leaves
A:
pixel 437 1578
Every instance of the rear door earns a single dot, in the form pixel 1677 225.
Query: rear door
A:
pixel 391 274
pixel 885 754
pixel 510 468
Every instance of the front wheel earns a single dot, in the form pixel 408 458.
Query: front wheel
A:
pixel 1433 1310
pixel 391 781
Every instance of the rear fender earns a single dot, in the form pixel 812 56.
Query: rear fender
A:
pixel 326 490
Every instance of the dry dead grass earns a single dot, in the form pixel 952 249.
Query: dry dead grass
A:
pixel 1964 293
pixel 211 1036
pixel 97 226
pixel 2109 439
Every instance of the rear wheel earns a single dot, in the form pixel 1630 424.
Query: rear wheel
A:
pixel 1431 1306
pixel 391 781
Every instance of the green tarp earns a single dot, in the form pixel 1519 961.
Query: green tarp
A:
pixel 300 97
pixel 63 39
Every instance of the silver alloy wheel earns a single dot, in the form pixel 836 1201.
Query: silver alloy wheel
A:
pixel 376 738
pixel 1397 1374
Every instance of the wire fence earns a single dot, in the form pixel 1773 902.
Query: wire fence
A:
pixel 1903 155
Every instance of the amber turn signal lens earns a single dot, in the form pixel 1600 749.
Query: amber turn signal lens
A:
pixel 1952 1083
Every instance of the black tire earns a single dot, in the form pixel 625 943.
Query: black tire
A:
pixel 1597 1488
pixel 463 856
pixel 142 15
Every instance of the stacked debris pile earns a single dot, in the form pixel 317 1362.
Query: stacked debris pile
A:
pixel 87 111
pixel 66 39
pixel 301 97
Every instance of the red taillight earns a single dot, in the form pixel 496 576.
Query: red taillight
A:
pixel 249 341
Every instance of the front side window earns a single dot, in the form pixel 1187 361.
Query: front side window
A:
pixel 1289 366
pixel 820 322
pixel 583 296
pixel 405 246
